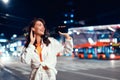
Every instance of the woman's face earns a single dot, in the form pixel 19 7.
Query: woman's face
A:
pixel 39 28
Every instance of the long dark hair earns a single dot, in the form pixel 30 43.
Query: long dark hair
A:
pixel 44 37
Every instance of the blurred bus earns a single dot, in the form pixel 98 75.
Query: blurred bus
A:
pixel 96 42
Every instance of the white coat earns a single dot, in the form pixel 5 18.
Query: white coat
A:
pixel 30 56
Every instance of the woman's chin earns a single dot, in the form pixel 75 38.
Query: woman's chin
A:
pixel 41 34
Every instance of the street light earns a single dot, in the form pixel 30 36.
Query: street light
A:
pixel 5 1
pixel 4 4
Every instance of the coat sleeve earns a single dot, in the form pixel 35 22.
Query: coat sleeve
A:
pixel 27 54
pixel 63 48
pixel 68 46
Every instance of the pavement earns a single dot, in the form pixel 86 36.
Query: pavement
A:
pixel 68 69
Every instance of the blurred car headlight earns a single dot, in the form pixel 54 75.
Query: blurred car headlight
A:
pixel 112 56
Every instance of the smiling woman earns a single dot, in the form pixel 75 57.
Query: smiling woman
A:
pixel 41 51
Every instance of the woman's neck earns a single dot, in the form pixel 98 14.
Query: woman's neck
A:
pixel 38 39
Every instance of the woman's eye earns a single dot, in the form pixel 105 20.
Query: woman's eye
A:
pixel 39 25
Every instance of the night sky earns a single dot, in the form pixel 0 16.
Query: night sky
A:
pixel 21 12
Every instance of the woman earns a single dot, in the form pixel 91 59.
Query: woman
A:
pixel 40 51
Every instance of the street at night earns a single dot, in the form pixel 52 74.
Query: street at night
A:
pixel 69 68
pixel 88 32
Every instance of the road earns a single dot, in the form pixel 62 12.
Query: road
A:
pixel 68 69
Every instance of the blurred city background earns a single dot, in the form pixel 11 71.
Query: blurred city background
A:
pixel 93 24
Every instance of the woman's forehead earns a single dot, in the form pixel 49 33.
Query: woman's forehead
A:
pixel 39 22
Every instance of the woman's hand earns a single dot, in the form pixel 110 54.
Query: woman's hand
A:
pixel 32 37
pixel 67 36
